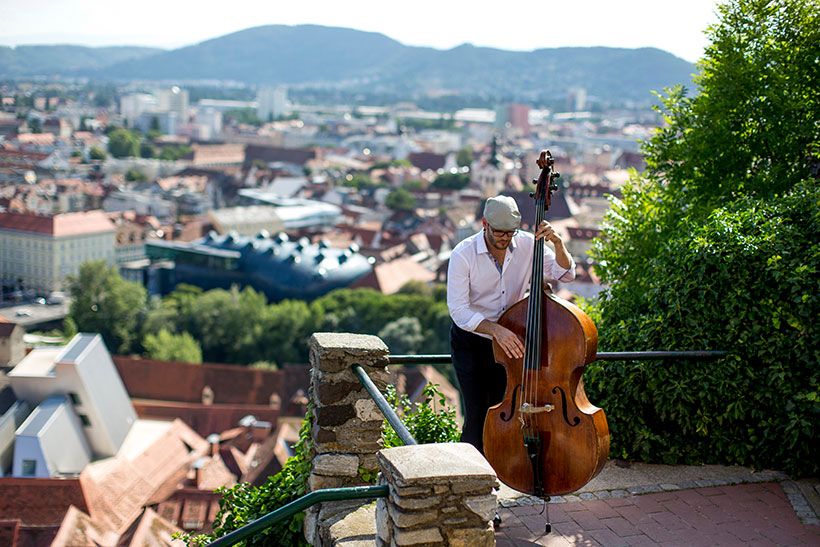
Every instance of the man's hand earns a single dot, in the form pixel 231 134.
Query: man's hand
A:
pixel 507 339
pixel 546 231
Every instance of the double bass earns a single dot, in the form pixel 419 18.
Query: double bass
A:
pixel 545 438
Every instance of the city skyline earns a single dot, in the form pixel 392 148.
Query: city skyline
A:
pixel 675 27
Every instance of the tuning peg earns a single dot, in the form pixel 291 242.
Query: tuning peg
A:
pixel 535 181
pixel 556 175
pixel 532 194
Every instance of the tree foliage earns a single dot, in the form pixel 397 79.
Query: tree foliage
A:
pixel 97 153
pixel 715 246
pixel 103 302
pixel 451 181
pixel 399 199
pixel 123 143
pixel 165 346
pixel 403 336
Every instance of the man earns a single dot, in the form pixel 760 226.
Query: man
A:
pixel 489 272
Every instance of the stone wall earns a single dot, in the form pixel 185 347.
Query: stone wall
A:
pixel 439 494
pixel 347 424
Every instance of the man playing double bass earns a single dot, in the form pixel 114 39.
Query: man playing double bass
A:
pixel 489 272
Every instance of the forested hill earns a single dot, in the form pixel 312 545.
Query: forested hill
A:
pixel 374 63
pixel 22 61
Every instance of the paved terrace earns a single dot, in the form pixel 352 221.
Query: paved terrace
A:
pixel 643 504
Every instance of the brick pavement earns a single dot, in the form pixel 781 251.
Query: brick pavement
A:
pixel 743 514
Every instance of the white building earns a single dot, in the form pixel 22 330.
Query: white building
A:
pixel 136 104
pixel 142 203
pixel 50 443
pixel 39 252
pixel 208 123
pixel 272 103
pixel 82 410
pixel 174 99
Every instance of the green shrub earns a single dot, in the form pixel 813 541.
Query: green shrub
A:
pixel 429 421
pixel 715 246
pixel 744 281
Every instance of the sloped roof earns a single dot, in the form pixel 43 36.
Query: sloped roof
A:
pixel 124 486
pixel 78 528
pixel 60 225
pixel 389 277
pixel 41 502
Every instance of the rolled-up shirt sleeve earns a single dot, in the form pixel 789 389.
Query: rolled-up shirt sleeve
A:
pixel 554 271
pixel 458 295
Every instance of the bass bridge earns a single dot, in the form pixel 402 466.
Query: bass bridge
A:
pixel 526 409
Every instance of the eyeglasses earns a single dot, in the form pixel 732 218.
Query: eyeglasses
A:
pixel 502 233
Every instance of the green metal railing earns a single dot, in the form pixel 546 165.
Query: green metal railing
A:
pixel 317 496
pixel 385 408
pixel 444 359
pixel 371 492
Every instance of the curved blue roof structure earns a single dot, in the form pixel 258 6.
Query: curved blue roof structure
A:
pixel 277 266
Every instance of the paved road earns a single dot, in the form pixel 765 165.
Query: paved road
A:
pixel 32 315
pixel 698 505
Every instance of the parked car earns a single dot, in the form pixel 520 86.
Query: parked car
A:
pixel 40 301
pixel 55 298
pixel 22 313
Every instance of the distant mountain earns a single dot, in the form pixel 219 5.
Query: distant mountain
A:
pixel 64 59
pixel 311 55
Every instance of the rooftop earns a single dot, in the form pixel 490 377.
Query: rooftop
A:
pixel 37 364
pixel 60 225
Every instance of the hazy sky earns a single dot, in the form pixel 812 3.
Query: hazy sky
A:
pixel 673 25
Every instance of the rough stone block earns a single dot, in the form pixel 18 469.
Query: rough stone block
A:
pixel 328 393
pixel 366 410
pixel 357 526
pixel 415 537
pixel 320 482
pixel 410 491
pixel 334 415
pixel 410 519
pixel 483 506
pixel 383 524
pixel 472 487
pixel 414 504
pixel 471 537
pixel 333 352
pixel 335 465
pixel 435 463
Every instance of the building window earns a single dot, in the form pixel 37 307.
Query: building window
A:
pixel 29 468
pixel 84 419
pixel 75 399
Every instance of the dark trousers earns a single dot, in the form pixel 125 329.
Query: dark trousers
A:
pixel 480 379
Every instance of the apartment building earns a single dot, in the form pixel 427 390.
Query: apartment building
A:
pixel 38 252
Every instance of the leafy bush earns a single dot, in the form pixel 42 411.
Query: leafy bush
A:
pixel 165 346
pixel 715 246
pixel 744 281
pixel 429 421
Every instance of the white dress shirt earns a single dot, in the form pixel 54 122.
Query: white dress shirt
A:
pixel 476 290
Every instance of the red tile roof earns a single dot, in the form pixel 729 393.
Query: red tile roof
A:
pixel 40 501
pixel 60 225
pixel 184 382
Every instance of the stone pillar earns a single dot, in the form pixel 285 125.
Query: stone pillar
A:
pixel 440 494
pixel 347 424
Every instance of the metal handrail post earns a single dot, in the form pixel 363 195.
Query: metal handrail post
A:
pixel 385 408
